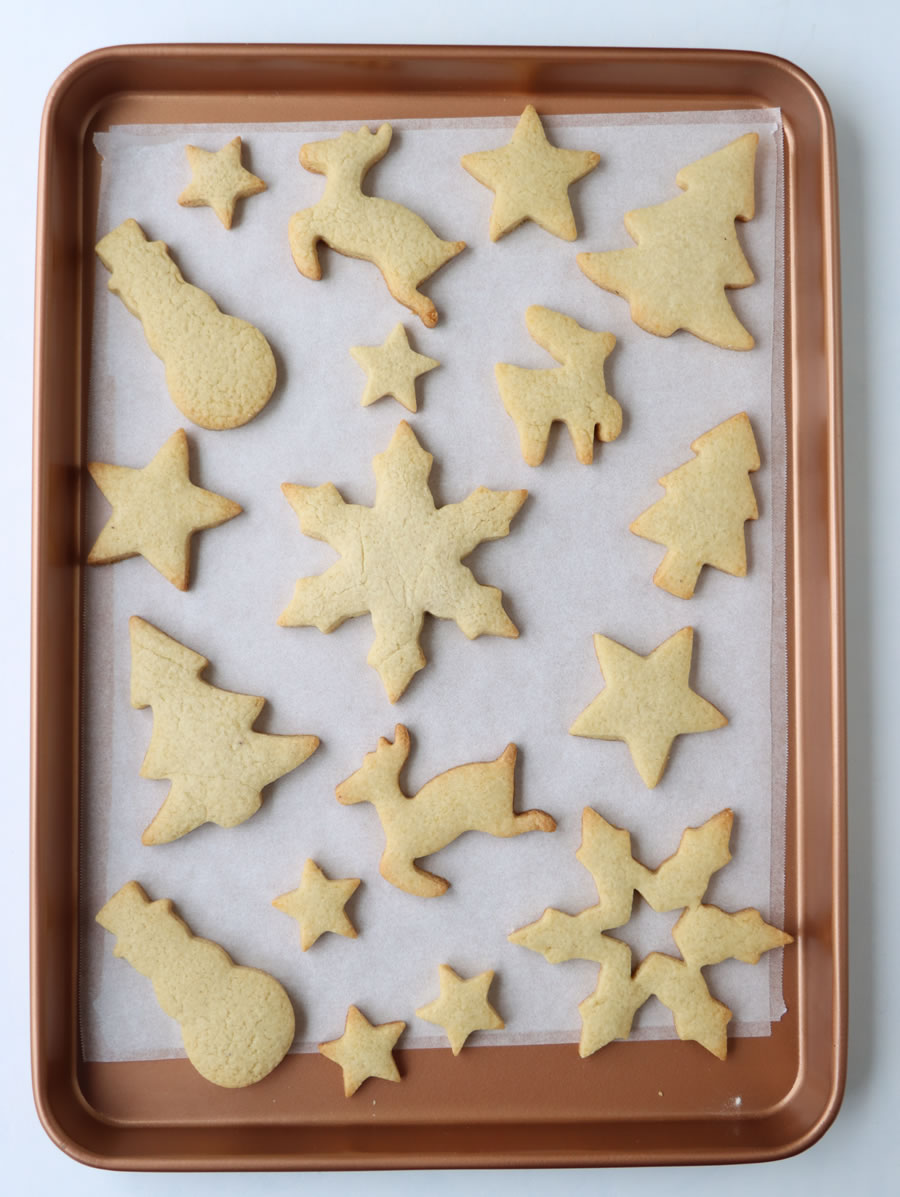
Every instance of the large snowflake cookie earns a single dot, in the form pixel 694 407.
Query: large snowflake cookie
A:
pixel 704 935
pixel 400 559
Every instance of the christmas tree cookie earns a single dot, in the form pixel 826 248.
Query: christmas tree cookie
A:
pixel 704 935
pixel 647 702
pixel 475 797
pixel 574 393
pixel 687 251
pixel 530 179
pixel 701 518
pixel 400 559
pixel 156 511
pixel 203 739
pixel 237 1023
pixel 394 238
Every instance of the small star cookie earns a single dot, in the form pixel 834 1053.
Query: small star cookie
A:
pixel 219 180
pixel 156 511
pixel 530 179
pixel 463 1007
pixel 647 702
pixel 364 1050
pixel 318 905
pixel 392 369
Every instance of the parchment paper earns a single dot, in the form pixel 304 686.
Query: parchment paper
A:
pixel 569 568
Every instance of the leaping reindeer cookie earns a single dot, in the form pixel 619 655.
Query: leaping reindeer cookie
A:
pixel 475 797
pixel 396 239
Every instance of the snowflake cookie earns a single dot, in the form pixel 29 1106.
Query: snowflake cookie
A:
pixel 400 559
pixel 704 935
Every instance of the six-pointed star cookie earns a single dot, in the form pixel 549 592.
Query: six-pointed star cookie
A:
pixel 462 1007
pixel 364 1050
pixel 530 179
pixel 392 369
pixel 218 180
pixel 156 510
pixel 400 559
pixel 647 702
pixel 318 905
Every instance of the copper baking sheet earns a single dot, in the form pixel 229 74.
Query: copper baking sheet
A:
pixel 494 1107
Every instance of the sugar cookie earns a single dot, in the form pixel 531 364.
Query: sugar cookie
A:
pixel 476 797
pixel 462 1007
pixel 203 739
pixel 318 905
pixel 574 393
pixel 218 180
pixel 220 371
pixel 400 559
pixel 156 511
pixel 392 369
pixel 688 252
pixel 396 239
pixel 237 1023
pixel 364 1050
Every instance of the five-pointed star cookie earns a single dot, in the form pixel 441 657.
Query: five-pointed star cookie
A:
pixel 647 702
pixel 392 369
pixel 318 905
pixel 156 510
pixel 530 179
pixel 400 559
pixel 364 1050
pixel 463 1007
pixel 218 180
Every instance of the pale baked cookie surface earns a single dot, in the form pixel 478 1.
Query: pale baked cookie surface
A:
pixel 220 370
pixel 688 252
pixel 647 702
pixel 400 559
pixel 475 797
pixel 704 935
pixel 574 393
pixel 530 179
pixel 462 1006
pixel 707 501
pixel 393 237
pixel 219 180
pixel 364 1050
pixel 318 905
pixel 156 510
pixel 203 739
pixel 237 1023
pixel 392 368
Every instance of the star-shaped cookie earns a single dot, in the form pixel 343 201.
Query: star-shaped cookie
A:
pixel 364 1050
pixel 530 179
pixel 400 559
pixel 156 511
pixel 318 905
pixel 462 1007
pixel 647 702
pixel 218 180
pixel 392 369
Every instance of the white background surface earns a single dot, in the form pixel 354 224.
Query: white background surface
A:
pixel 850 50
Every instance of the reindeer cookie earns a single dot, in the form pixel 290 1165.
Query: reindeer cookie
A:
pixel 397 240
pixel 575 393
pixel 237 1023
pixel 220 371
pixel 476 797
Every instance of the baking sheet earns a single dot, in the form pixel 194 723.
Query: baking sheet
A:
pixel 568 569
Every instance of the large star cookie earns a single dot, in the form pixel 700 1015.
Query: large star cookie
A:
pixel 400 559
pixel 318 905
pixel 364 1050
pixel 156 511
pixel 462 1007
pixel 392 369
pixel 530 179
pixel 647 702
pixel 219 180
